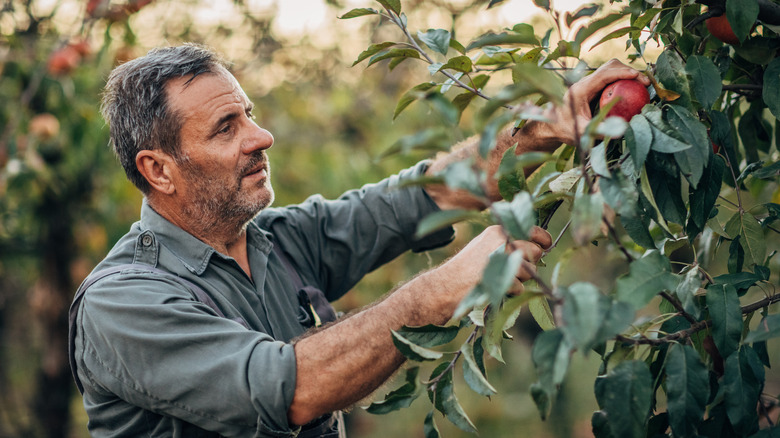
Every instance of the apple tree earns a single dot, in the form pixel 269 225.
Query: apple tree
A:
pixel 686 191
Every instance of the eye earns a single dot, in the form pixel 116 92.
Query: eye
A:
pixel 224 130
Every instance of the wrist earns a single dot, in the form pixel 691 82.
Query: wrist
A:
pixel 541 136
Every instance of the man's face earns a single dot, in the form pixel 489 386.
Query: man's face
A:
pixel 224 167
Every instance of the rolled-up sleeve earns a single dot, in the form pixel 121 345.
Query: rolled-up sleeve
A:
pixel 145 339
pixel 339 241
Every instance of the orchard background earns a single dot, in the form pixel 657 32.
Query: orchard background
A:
pixel 652 315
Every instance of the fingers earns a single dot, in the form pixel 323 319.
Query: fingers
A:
pixel 591 86
pixel 532 250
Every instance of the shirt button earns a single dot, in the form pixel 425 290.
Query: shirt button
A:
pixel 146 240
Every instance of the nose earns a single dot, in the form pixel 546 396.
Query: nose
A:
pixel 259 139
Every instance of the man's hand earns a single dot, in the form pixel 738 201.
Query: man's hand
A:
pixel 470 262
pixel 534 136
pixel 575 110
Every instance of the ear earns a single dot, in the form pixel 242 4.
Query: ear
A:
pixel 159 169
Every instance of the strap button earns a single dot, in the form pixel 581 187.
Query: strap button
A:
pixel 147 240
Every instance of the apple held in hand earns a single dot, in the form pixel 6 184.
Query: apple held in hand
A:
pixel 632 96
pixel 720 28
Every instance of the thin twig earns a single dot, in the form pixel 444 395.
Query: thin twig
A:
pixel 676 303
pixel 701 325
pixel 432 383
pixel 736 183
pixel 430 60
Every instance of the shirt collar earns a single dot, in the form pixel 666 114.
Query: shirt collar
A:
pixel 193 252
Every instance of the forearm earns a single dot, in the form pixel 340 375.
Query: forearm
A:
pixel 345 362
pixel 534 136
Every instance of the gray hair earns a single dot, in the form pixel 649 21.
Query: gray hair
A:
pixel 136 107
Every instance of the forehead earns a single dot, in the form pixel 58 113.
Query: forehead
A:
pixel 206 94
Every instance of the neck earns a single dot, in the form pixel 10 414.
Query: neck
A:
pixel 227 237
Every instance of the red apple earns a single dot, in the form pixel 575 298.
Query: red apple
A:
pixel 632 96
pixel 720 28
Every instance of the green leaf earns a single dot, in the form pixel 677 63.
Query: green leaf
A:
pixel 419 91
pixel 740 281
pixel 393 53
pixel 726 315
pixel 393 5
pixel 705 79
pixel 472 373
pixel 625 394
pixel 437 39
pixel 753 240
pixel 768 328
pixel 413 351
pixel 620 194
pixel 617 318
pixel 497 322
pixel 541 312
pixel 540 80
pixel 460 63
pixel 493 39
pixel 617 33
pixel 670 72
pixel 665 138
pixel 429 335
pixel 693 133
pixel 583 11
pixel 372 50
pixel 443 219
pixel 551 354
pixel 771 89
pixel 742 16
pixel 755 131
pixel 586 217
pixel 359 12
pixel 600 425
pixel 686 291
pixel 544 4
pixel 446 402
pixel 687 389
pixel 461 175
pixel 498 277
pixel 648 276
pixel 517 217
pixel 639 139
pixel 592 26
pixel 429 427
pixel 667 192
pixel 702 198
pixel 769 172
pixel 399 398
pixel 434 139
pixel 583 310
pixel 511 173
pixel 751 235
pixel 741 388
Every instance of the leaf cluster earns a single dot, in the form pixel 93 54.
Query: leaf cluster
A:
pixel 687 191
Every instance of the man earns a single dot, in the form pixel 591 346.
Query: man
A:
pixel 155 358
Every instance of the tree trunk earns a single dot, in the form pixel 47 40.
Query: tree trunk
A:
pixel 49 301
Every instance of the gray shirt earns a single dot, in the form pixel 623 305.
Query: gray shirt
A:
pixel 154 361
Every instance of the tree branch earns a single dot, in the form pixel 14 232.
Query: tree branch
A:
pixel 698 326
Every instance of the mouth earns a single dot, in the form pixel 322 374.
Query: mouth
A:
pixel 258 172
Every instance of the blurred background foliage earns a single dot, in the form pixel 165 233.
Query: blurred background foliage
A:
pixel 64 199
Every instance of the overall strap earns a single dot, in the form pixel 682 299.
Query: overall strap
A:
pixel 296 279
